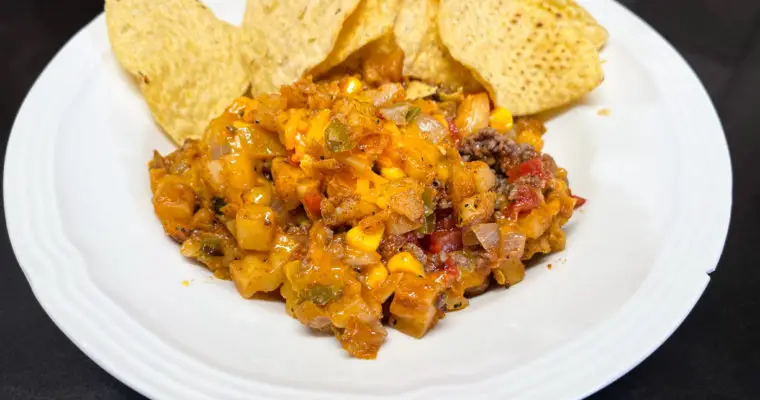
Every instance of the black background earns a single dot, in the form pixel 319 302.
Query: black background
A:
pixel 714 354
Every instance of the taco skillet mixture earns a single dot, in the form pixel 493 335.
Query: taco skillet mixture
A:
pixel 361 206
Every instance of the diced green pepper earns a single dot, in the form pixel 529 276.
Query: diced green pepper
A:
pixel 427 199
pixel 412 113
pixel 321 294
pixel 337 137
pixel 212 247
pixel 429 226
pixel 217 203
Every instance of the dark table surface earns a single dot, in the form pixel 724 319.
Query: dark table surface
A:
pixel 714 354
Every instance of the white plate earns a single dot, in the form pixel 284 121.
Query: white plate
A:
pixel 656 172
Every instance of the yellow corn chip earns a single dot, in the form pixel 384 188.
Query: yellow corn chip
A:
pixel 287 38
pixel 371 20
pixel 525 56
pixel 419 90
pixel 425 57
pixel 569 12
pixel 186 61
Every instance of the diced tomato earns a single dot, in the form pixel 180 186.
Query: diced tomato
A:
pixel 531 167
pixel 454 132
pixel 446 241
pixel 526 200
pixel 445 220
pixel 312 202
pixel 452 270
pixel 579 201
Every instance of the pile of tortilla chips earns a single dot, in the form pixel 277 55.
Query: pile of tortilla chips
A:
pixel 530 55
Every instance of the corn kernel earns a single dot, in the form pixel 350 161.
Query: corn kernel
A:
pixel 405 262
pixel 501 119
pixel 376 275
pixel 351 85
pixel 365 240
pixel 392 173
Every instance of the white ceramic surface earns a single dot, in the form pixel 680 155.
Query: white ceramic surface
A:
pixel 656 172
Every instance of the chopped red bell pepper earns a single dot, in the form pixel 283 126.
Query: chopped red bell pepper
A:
pixel 531 167
pixel 454 132
pixel 526 200
pixel 451 273
pixel 445 220
pixel 312 202
pixel 446 241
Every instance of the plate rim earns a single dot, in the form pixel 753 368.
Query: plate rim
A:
pixel 690 292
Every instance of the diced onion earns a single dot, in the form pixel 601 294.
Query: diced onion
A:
pixel 357 258
pixel 487 235
pixel 430 126
pixel 399 225
pixel 396 113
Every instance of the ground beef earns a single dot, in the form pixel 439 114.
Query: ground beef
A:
pixel 442 201
pixel 496 150
pixel 394 244
pixel 502 185
pixel 549 164
pixel 340 209
pixel 298 229
pixel 527 180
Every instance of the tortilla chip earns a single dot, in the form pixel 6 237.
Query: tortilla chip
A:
pixel 287 38
pixel 573 14
pixel 371 20
pixel 186 60
pixel 419 90
pixel 525 56
pixel 425 56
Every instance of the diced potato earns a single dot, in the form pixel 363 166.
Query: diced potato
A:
pixel 509 272
pixel 286 178
pixel 476 209
pixel 462 184
pixel 255 226
pixel 261 195
pixel 485 178
pixel 532 138
pixel 414 309
pixel 238 172
pixel 252 274
pixel 375 276
pixel 537 221
pixel 173 199
pixel 362 338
